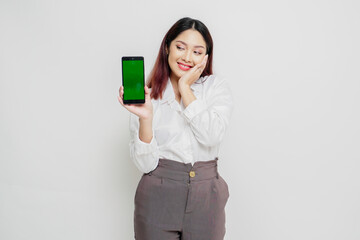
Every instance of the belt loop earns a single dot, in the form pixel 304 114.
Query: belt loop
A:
pixel 216 167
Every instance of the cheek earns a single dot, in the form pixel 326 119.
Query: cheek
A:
pixel 197 60
pixel 174 56
pixel 172 62
pixel 173 59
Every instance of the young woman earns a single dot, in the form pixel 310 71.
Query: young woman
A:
pixel 175 138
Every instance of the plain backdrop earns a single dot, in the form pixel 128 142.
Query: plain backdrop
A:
pixel 291 156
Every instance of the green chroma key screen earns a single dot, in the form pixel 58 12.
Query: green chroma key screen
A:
pixel 133 78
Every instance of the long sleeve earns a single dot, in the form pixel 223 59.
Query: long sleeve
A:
pixel 144 155
pixel 209 116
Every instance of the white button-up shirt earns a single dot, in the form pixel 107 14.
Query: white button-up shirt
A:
pixel 181 134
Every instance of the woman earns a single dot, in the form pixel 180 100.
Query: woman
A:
pixel 175 138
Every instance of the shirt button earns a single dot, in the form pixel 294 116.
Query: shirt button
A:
pixel 192 174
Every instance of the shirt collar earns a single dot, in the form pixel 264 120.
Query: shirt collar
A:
pixel 169 95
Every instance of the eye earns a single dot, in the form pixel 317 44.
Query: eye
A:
pixel 197 53
pixel 180 48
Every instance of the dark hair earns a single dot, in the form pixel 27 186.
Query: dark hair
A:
pixel 161 71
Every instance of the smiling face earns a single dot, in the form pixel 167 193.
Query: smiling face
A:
pixel 185 51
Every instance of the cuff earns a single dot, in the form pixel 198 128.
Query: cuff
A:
pixel 193 109
pixel 143 147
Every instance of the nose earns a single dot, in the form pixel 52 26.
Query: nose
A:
pixel 187 56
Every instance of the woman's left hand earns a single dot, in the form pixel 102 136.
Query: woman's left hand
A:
pixel 193 74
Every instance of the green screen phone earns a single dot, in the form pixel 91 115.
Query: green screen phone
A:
pixel 133 80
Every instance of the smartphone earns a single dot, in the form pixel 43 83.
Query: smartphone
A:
pixel 133 80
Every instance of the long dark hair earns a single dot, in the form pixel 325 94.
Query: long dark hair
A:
pixel 161 71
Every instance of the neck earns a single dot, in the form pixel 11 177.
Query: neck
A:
pixel 174 82
pixel 174 78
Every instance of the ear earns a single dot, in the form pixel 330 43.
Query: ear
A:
pixel 167 50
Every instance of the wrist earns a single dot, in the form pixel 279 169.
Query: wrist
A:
pixel 146 119
pixel 184 87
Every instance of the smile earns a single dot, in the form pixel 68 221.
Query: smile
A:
pixel 184 67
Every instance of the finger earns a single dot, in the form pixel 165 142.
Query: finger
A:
pixel 121 96
pixel 198 66
pixel 121 91
pixel 147 94
pixel 127 106
pixel 204 61
pixel 201 66
pixel 121 101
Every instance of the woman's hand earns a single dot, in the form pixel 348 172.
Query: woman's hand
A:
pixel 193 74
pixel 143 111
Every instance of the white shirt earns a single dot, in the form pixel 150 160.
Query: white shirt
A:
pixel 188 134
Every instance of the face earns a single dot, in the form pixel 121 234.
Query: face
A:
pixel 185 51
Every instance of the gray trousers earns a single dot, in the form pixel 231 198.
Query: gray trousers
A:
pixel 181 201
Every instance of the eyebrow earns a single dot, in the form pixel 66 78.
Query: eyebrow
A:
pixel 199 46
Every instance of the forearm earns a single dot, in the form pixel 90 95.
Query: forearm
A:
pixel 145 155
pixel 145 130
pixel 209 115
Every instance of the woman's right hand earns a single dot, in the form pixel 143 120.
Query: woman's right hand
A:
pixel 143 111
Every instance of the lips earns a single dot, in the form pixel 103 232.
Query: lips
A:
pixel 184 67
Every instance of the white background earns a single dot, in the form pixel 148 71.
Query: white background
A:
pixel 291 156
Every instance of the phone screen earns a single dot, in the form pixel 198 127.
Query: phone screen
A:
pixel 133 79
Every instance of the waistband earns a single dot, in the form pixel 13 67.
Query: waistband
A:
pixel 178 171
